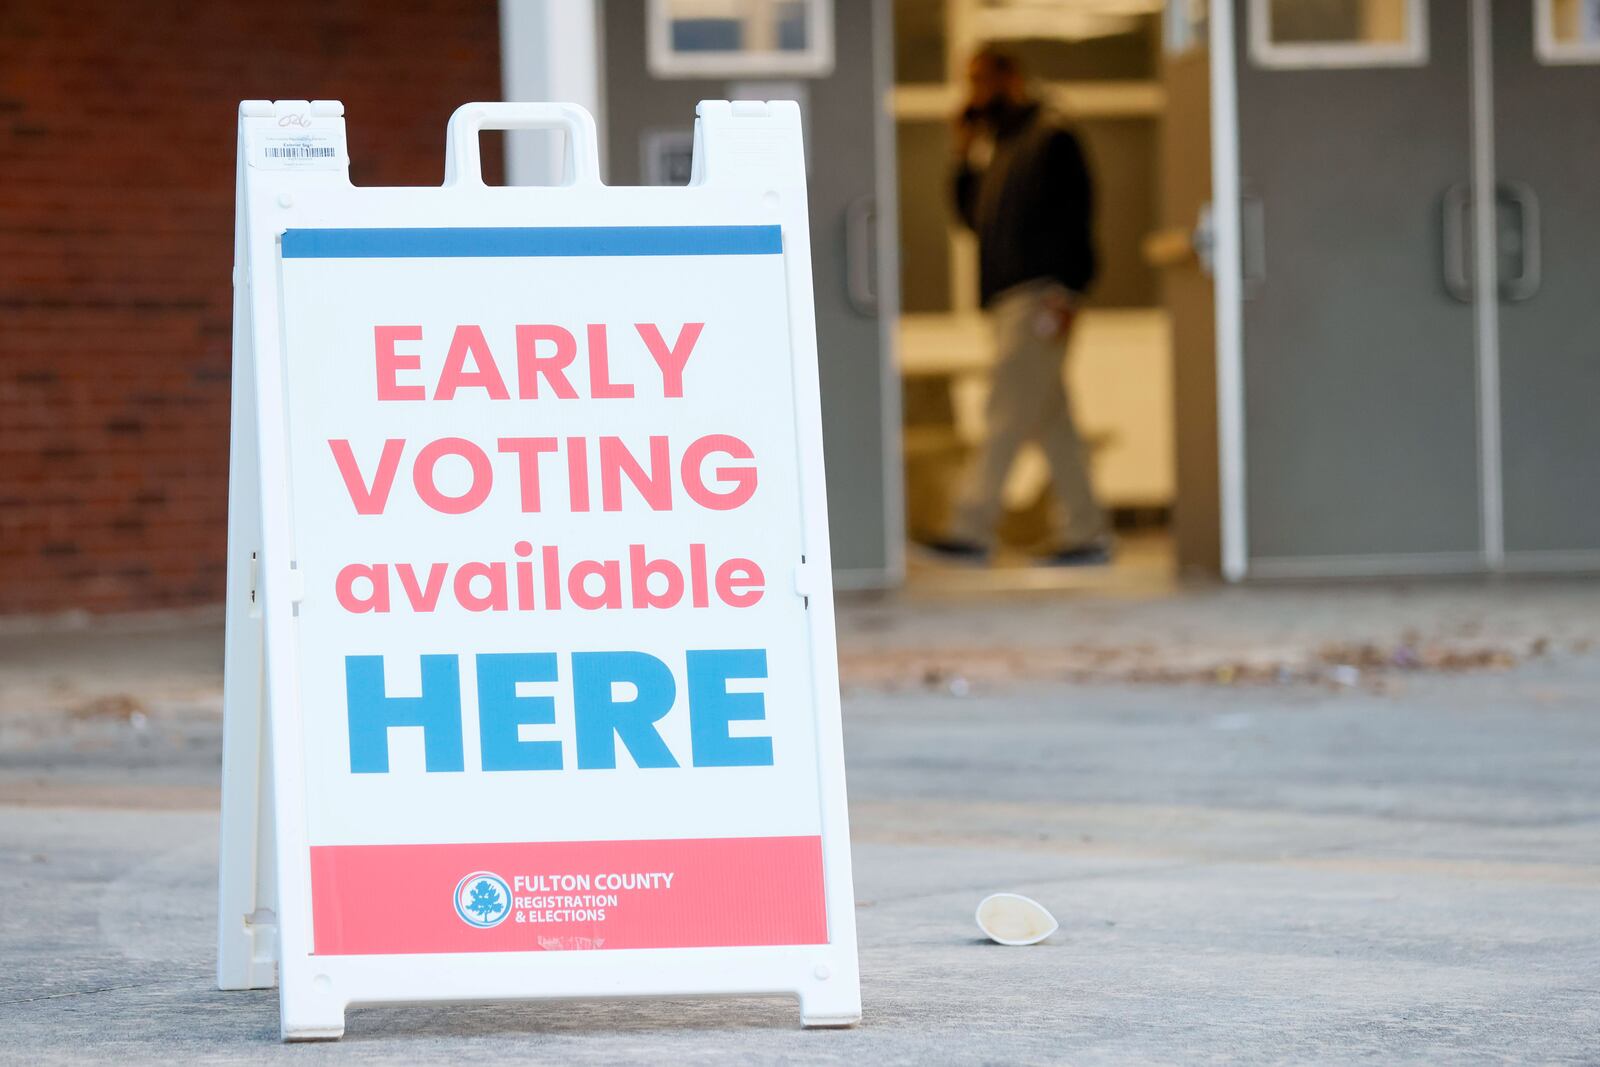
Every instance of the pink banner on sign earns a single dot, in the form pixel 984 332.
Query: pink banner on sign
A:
pixel 563 896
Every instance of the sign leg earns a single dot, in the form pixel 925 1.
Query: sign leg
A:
pixel 246 922
pixel 830 1006
pixel 246 919
pixel 309 1006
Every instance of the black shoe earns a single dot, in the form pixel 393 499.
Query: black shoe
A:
pixel 955 550
pixel 1092 554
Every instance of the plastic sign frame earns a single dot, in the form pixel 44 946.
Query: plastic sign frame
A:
pixel 294 191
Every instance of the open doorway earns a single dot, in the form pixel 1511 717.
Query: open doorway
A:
pixel 1108 69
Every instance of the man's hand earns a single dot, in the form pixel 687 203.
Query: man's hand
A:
pixel 1057 311
pixel 963 132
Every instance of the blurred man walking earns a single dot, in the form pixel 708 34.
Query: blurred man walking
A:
pixel 1030 205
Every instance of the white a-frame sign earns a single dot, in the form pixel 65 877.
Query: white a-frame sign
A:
pixel 531 682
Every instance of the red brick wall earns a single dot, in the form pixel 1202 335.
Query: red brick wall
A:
pixel 117 128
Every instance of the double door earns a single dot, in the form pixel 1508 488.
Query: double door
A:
pixel 1420 331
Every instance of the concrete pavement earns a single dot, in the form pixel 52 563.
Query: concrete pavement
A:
pixel 1400 867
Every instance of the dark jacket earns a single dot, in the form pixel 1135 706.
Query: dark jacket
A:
pixel 1030 207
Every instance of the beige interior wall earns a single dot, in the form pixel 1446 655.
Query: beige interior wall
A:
pixel 1384 20
pixel 1564 15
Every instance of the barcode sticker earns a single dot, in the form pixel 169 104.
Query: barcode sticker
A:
pixel 302 148
pixel 301 151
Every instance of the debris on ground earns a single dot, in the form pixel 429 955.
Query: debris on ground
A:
pixel 1338 665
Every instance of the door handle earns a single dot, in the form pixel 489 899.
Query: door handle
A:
pixel 1252 243
pixel 1205 240
pixel 1455 253
pixel 860 275
pixel 1525 283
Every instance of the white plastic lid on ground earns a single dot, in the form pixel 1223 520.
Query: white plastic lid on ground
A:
pixel 1013 919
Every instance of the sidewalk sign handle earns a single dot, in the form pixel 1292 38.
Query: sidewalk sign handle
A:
pixel 463 163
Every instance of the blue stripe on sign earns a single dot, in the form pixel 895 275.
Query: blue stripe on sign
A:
pixel 467 241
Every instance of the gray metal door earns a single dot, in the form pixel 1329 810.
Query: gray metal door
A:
pixel 1360 432
pixel 645 116
pixel 1547 147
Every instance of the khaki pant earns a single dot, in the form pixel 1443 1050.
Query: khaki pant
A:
pixel 1028 402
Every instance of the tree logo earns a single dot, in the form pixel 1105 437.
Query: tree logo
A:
pixel 483 899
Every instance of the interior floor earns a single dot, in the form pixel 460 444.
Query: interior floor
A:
pixel 1143 562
